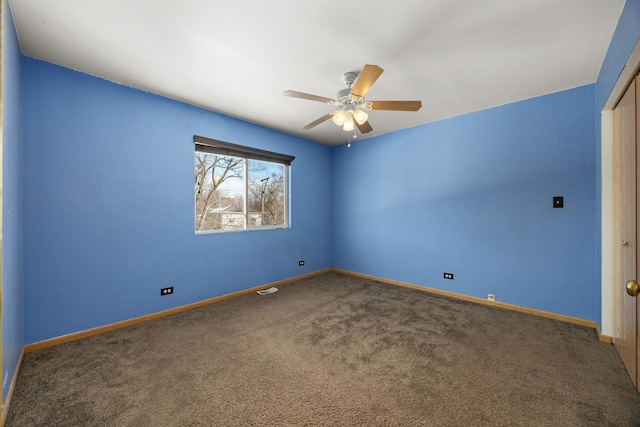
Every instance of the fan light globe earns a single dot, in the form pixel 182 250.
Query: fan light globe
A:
pixel 360 116
pixel 339 117
pixel 348 125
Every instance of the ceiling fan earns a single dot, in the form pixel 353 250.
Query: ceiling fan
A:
pixel 351 103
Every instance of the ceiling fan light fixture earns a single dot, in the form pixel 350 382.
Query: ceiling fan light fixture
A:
pixel 360 116
pixel 348 125
pixel 352 108
pixel 339 117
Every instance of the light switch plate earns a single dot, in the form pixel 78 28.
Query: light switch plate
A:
pixel 558 202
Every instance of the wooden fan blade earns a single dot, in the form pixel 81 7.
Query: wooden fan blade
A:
pixel 396 105
pixel 294 94
pixel 365 80
pixel 318 121
pixel 365 127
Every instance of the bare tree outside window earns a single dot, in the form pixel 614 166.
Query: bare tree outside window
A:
pixel 221 192
pixel 267 193
pixel 218 188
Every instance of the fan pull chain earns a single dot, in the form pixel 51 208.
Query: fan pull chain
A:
pixel 351 136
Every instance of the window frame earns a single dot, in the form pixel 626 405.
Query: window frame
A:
pixel 217 147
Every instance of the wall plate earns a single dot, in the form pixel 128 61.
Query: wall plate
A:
pixel 558 202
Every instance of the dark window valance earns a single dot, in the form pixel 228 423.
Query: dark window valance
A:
pixel 214 146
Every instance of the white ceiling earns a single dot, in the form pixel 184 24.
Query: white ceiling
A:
pixel 237 57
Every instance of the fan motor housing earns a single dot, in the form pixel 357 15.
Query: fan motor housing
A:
pixel 343 93
pixel 349 77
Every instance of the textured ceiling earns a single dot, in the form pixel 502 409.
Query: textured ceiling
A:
pixel 237 57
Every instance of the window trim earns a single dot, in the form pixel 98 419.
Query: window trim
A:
pixel 217 147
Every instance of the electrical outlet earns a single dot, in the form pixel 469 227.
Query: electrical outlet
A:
pixel 301 263
pixel 166 291
pixel 491 297
pixel 448 276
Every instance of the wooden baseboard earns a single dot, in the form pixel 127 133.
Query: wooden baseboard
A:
pixel 546 314
pixel 605 338
pixel 5 406
pixel 123 324
pixel 602 337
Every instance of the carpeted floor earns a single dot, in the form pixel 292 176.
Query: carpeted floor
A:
pixel 331 350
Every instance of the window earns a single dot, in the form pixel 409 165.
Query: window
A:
pixel 238 187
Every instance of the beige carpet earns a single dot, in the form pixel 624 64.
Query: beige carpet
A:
pixel 331 350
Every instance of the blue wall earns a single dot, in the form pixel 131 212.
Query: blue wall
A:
pixel 622 43
pixel 108 215
pixel 472 195
pixel 12 211
pixel 109 205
